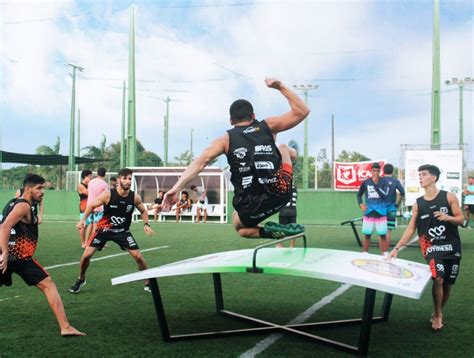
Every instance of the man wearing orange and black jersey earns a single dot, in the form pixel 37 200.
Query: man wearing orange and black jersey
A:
pixel 84 234
pixel 18 241
pixel 114 225
pixel 436 216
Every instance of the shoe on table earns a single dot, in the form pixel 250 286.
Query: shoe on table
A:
pixel 280 231
pixel 77 286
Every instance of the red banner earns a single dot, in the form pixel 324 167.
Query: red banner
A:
pixel 349 176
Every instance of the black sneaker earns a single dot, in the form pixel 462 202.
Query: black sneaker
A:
pixel 77 286
pixel 147 288
pixel 280 231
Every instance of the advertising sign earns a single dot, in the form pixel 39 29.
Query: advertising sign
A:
pixel 448 161
pixel 349 176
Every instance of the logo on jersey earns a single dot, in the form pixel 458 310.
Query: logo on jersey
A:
pixel 444 210
pixel 113 206
pixel 12 232
pixel 129 208
pixel 251 130
pixel 436 232
pixel 440 267
pixel 117 220
pixel 240 152
pixel 244 169
pixel 424 216
pixel 247 181
pixel 267 180
pixel 263 148
pixel 264 165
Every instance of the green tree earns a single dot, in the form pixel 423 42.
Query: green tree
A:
pixel 184 159
pixel 346 156
pixel 52 173
pixel 324 170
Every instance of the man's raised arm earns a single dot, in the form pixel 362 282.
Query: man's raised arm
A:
pixel 299 110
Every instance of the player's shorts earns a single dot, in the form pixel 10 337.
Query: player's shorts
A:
pixel 391 220
pixel 89 218
pixel 446 268
pixel 469 208
pixel 255 208
pixel 202 204
pixel 285 220
pixel 30 271
pixel 97 215
pixel 375 222
pixel 125 240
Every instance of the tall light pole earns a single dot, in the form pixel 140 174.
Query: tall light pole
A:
pixel 305 89
pixel 460 83
pixel 78 149
pixel 333 152
pixel 192 130
pixel 73 112
pixel 435 91
pixel 132 126
pixel 123 159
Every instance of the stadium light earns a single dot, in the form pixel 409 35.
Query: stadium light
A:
pixel 305 88
pixel 460 83
pixel 73 112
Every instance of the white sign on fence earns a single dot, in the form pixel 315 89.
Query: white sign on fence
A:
pixel 448 161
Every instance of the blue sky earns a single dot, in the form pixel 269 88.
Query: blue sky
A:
pixel 370 59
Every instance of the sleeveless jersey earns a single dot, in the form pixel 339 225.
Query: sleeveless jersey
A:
pixel 117 213
pixel 23 237
pixel 253 157
pixel 82 200
pixel 437 238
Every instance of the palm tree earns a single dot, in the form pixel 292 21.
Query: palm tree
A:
pixel 56 171
pixel 97 152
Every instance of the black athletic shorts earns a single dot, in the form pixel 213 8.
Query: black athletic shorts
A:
pixel 125 240
pixel 284 220
pixel 253 208
pixel 30 271
pixel 445 268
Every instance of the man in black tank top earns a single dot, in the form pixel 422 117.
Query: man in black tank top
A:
pixel 261 172
pixel 18 241
pixel 114 226
pixel 436 216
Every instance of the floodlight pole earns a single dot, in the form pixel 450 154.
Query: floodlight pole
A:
pixel 166 127
pixel 122 137
pixel 305 89
pixel 192 130
pixel 435 92
pixel 73 112
pixel 132 134
pixel 461 83
pixel 332 151
pixel 78 149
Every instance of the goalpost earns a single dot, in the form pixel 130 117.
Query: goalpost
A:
pixel 148 181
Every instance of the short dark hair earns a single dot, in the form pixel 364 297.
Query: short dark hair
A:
pixel 113 178
pixel 32 180
pixel 185 192
pixel 376 165
pixel 388 168
pixel 241 110
pixel 101 172
pixel 85 173
pixel 432 169
pixel 124 172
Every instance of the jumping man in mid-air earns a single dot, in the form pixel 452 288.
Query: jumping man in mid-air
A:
pixel 261 172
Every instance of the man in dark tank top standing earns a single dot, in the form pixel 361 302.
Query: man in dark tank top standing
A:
pixel 114 225
pixel 262 173
pixel 436 217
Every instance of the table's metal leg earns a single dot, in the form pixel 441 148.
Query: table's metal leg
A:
pixel 160 311
pixel 387 303
pixel 218 291
pixel 366 323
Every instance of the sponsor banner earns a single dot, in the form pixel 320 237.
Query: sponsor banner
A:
pixel 448 161
pixel 349 176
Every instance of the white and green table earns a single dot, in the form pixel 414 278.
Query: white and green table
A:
pixel 400 277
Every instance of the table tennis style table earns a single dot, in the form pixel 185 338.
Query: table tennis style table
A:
pixel 401 277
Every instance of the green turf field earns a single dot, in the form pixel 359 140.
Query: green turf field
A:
pixel 120 320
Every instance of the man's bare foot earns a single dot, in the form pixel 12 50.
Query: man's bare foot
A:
pixel 71 332
pixel 437 323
